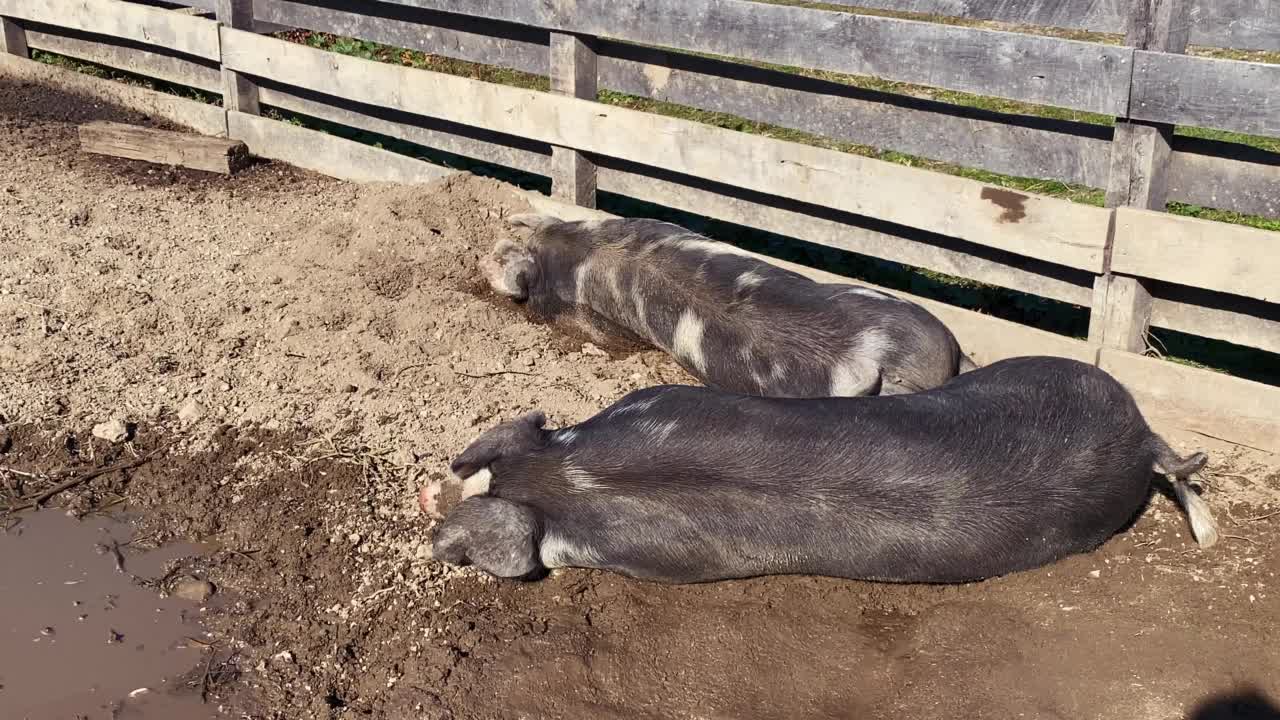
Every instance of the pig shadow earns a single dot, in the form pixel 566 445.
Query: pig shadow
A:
pixel 1247 704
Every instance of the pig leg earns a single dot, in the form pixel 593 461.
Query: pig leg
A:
pixel 495 535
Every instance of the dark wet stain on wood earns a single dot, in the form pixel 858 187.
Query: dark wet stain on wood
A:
pixel 1014 204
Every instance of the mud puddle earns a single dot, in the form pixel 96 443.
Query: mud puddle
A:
pixel 81 633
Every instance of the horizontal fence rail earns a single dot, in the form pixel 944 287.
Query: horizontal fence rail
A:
pixel 1241 24
pixel 1130 264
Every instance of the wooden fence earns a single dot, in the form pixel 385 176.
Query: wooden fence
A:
pixel 1130 263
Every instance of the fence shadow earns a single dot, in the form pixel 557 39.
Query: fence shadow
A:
pixel 1247 704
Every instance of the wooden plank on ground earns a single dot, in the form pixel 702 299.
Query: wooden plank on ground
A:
pixel 1045 228
pixel 165 147
pixel 1199 253
pixel 141 62
pixel 1209 93
pixel 1231 408
pixel 328 154
pixel 153 26
pixel 1050 71
pixel 201 117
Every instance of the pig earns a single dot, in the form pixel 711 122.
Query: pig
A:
pixel 1003 469
pixel 730 319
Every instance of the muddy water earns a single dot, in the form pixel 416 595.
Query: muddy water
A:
pixel 79 637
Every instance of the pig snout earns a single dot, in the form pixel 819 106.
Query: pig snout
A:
pixel 509 269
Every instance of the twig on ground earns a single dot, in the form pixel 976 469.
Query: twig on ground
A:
pixel 1256 518
pixel 1251 541
pixel 496 373
pixel 40 498
pixel 1222 439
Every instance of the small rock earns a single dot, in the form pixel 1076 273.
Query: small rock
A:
pixel 285 328
pixel 192 411
pixel 1095 573
pixel 591 349
pixel 349 388
pixel 195 590
pixel 113 431
pixel 78 217
pixel 225 387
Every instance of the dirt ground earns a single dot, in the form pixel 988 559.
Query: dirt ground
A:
pixel 301 354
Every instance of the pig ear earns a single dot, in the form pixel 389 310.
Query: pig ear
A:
pixel 495 535
pixel 519 435
pixel 534 221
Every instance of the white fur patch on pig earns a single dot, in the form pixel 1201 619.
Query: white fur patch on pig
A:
pixel 686 342
pixel 477 484
pixel 859 370
pixel 580 479
pixel 748 279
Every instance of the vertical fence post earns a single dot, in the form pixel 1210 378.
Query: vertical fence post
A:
pixel 573 73
pixel 13 38
pixel 239 93
pixel 1140 159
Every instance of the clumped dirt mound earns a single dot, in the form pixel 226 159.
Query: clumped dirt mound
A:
pixel 306 352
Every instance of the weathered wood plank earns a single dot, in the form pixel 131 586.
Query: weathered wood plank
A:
pixel 1221 94
pixel 239 92
pixel 1140 154
pixel 1053 230
pixel 1017 145
pixel 500 150
pixel 1051 71
pixel 165 147
pixel 13 38
pixel 1235 409
pixel 456 36
pixel 1242 24
pixel 573 74
pixel 1096 15
pixel 1250 185
pixel 153 26
pixel 1012 144
pixel 327 154
pixel 210 6
pixel 793 222
pixel 201 117
pixel 135 60
pixel 1218 323
pixel 1199 253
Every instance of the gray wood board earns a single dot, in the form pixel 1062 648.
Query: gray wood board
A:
pixel 1010 144
pixel 1203 92
pixel 398 125
pixel 130 59
pixel 456 36
pixel 1241 24
pixel 1206 173
pixel 1016 145
pixel 1052 71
